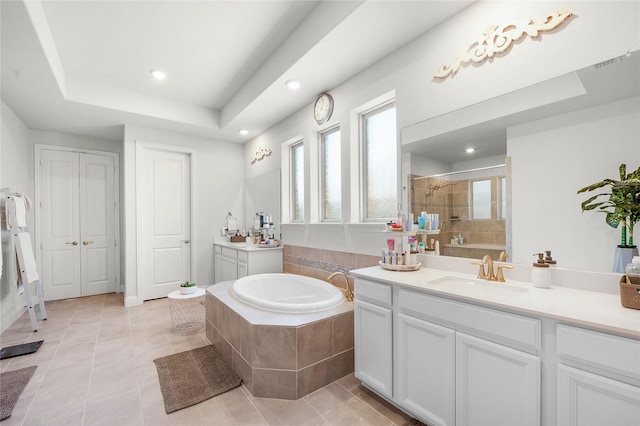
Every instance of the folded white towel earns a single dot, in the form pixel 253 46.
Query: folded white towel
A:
pixel 20 208
pixel 26 258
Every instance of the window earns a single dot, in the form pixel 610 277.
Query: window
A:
pixel 502 182
pixel 330 176
pixel 297 182
pixel 380 163
pixel 481 199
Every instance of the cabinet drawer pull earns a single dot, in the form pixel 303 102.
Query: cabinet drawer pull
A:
pixel 85 242
pixel 73 243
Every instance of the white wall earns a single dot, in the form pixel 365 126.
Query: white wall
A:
pixel 551 160
pixel 218 189
pixel 598 31
pixel 16 172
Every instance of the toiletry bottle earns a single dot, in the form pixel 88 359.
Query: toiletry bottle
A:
pixel 408 226
pixel 399 218
pixel 540 274
pixel 633 270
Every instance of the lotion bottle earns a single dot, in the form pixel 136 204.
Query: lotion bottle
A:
pixel 540 273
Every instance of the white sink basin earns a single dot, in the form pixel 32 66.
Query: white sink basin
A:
pixel 474 287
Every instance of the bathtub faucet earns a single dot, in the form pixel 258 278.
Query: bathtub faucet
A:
pixel 348 293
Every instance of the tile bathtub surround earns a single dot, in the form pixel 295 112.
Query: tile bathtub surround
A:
pixel 320 263
pixel 96 368
pixel 280 355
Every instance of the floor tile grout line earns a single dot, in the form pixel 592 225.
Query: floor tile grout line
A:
pixel 93 362
pixel 253 404
pixel 135 362
pixel 39 389
pixel 367 403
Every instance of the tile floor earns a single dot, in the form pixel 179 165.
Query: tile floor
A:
pixel 96 368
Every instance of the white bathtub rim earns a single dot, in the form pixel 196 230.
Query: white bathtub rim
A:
pixel 332 296
pixel 255 316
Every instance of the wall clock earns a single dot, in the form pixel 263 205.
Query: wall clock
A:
pixel 323 108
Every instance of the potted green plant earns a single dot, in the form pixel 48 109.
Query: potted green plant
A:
pixel 621 204
pixel 188 287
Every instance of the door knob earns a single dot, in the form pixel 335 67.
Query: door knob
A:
pixel 185 241
pixel 74 243
pixel 85 242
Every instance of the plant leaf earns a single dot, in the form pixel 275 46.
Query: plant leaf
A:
pixel 613 220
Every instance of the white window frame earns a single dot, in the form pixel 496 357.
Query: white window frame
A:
pixel 286 179
pixel 321 180
pixel 357 154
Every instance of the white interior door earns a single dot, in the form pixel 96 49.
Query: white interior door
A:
pixel 59 219
pixel 97 224
pixel 164 221
pixel 78 217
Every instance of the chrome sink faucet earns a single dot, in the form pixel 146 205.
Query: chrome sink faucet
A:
pixel 490 275
pixel 348 292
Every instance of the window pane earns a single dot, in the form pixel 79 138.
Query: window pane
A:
pixel 481 203
pixel 297 182
pixel 380 164
pixel 331 179
pixel 503 198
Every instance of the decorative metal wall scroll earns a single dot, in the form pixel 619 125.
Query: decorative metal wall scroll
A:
pixel 260 154
pixel 498 39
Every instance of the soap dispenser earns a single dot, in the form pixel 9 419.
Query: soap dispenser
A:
pixel 540 273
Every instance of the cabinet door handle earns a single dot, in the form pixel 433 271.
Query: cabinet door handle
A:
pixel 185 241
pixel 73 243
pixel 85 242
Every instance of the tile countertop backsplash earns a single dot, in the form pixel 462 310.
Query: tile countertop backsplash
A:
pixel 588 299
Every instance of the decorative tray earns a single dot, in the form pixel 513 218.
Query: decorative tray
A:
pixel 402 268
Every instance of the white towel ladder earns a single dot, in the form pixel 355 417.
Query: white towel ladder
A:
pixel 26 260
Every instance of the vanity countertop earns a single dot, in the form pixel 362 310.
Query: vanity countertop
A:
pixel 246 247
pixel 592 309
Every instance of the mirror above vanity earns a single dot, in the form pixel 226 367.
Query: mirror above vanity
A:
pixel 550 139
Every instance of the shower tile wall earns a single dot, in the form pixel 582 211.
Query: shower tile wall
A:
pixel 450 199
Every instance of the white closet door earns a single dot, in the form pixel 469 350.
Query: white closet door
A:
pixel 164 222
pixel 60 233
pixel 78 224
pixel 97 224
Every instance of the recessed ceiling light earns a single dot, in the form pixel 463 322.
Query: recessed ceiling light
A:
pixel 293 84
pixel 244 132
pixel 157 74
pixel 469 150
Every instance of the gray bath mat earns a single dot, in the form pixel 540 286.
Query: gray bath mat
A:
pixel 12 384
pixel 190 377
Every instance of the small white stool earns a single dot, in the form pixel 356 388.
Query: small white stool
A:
pixel 187 311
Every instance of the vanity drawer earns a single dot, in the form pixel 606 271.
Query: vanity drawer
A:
pixel 243 256
pixel 615 354
pixel 501 327
pixel 373 292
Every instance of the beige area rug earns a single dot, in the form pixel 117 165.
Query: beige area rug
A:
pixel 190 377
pixel 12 383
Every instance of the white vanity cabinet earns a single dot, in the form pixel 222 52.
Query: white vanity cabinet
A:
pixel 454 362
pixel 426 369
pixel 217 263
pixel 495 384
pixel 598 378
pixel 229 264
pixel 484 363
pixel 233 262
pixel 373 322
